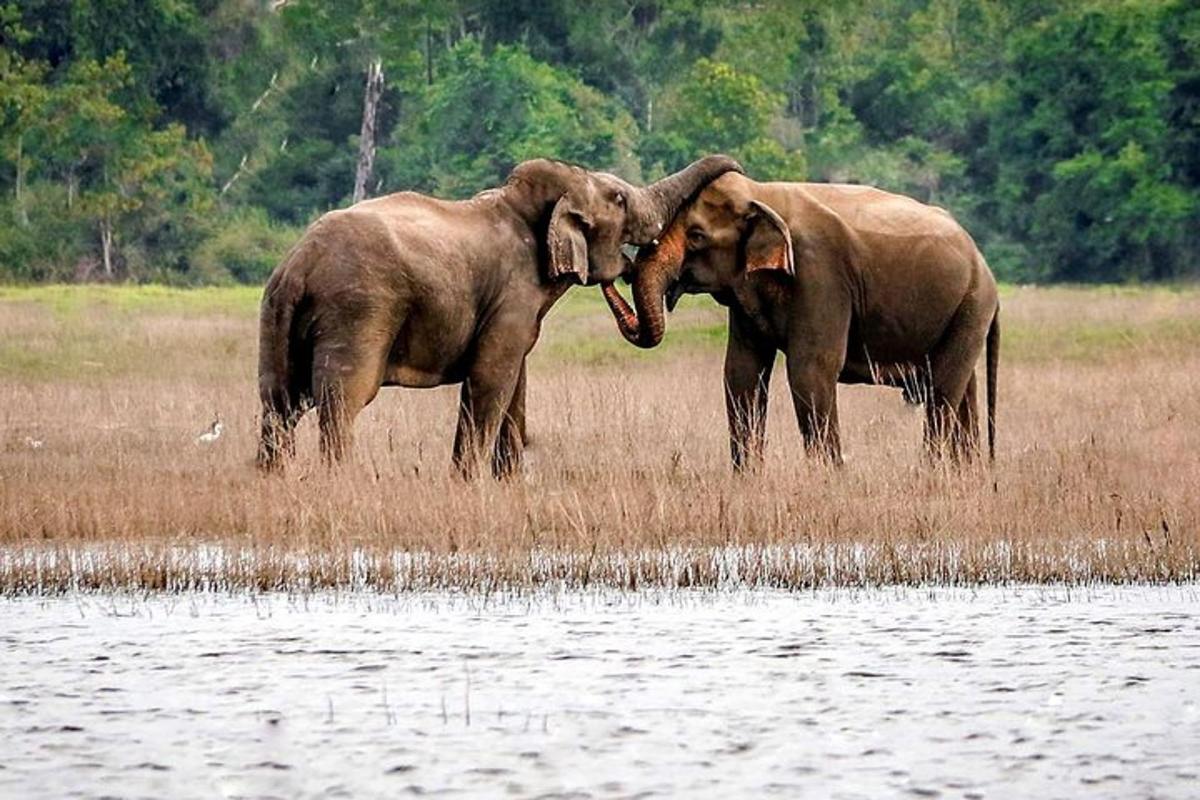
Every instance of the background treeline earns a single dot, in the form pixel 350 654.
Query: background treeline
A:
pixel 189 140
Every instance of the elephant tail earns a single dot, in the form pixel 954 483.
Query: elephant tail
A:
pixel 278 386
pixel 993 363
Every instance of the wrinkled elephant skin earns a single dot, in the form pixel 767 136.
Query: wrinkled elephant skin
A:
pixel 852 284
pixel 408 290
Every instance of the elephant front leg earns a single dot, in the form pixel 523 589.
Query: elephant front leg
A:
pixel 510 443
pixel 487 395
pixel 748 366
pixel 814 395
pixel 816 354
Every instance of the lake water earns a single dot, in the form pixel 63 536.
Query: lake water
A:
pixel 1001 693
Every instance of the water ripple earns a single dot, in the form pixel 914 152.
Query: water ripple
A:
pixel 922 693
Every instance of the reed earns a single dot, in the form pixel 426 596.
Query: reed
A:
pixel 627 483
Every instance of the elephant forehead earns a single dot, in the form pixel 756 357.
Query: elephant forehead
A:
pixel 727 186
pixel 710 209
pixel 600 194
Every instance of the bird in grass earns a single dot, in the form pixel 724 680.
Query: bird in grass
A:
pixel 212 434
pixel 34 444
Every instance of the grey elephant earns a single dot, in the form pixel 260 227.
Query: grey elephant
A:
pixel 409 290
pixel 852 284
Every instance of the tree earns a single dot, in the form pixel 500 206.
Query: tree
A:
pixel 123 178
pixel 23 96
pixel 1180 25
pixel 152 185
pixel 487 113
pixel 716 109
pixel 366 138
pixel 1081 142
pixel 366 34
pixel 1065 135
pixel 164 42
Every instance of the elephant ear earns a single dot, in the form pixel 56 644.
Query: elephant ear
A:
pixel 567 243
pixel 768 241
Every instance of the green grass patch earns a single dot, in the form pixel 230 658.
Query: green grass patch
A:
pixel 67 300
pixel 1098 341
pixel 610 348
pixel 1099 291
pixel 91 334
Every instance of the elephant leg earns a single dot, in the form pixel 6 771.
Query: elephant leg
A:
pixel 346 378
pixel 277 439
pixel 283 404
pixel 967 442
pixel 748 366
pixel 814 396
pixel 510 442
pixel 816 354
pixel 951 424
pixel 487 395
pixel 949 430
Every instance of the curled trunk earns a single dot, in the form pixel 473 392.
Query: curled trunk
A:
pixel 656 269
pixel 658 265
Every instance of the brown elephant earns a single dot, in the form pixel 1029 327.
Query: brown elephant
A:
pixel 852 284
pixel 408 290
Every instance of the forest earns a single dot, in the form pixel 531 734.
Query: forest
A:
pixel 189 141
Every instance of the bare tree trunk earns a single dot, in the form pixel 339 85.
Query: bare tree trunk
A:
pixel 106 237
pixel 366 139
pixel 22 214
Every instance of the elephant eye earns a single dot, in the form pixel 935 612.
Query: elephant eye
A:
pixel 695 238
pixel 620 199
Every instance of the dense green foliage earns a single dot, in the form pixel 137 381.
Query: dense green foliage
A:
pixel 188 140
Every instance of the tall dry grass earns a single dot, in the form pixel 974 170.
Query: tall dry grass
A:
pixel 627 482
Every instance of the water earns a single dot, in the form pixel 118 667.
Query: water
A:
pixel 993 693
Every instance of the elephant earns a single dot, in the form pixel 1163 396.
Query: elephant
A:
pixel 409 290
pixel 853 284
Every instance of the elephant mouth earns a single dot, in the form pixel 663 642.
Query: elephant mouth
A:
pixel 627 267
pixel 676 290
pixel 599 275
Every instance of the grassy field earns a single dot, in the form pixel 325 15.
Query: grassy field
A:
pixel 628 482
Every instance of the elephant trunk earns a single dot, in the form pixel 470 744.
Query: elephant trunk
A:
pixel 656 205
pixel 656 268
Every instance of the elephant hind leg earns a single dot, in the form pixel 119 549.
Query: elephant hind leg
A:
pixel 346 379
pixel 952 430
pixel 967 442
pixel 277 438
pixel 951 421
pixel 283 404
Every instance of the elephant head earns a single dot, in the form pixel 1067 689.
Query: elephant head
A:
pixel 594 214
pixel 711 242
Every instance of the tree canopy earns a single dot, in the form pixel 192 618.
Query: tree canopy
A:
pixel 187 140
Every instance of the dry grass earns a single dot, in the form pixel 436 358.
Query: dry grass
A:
pixel 628 482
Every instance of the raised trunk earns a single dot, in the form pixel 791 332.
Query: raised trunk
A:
pixel 656 205
pixel 656 269
pixel 366 139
